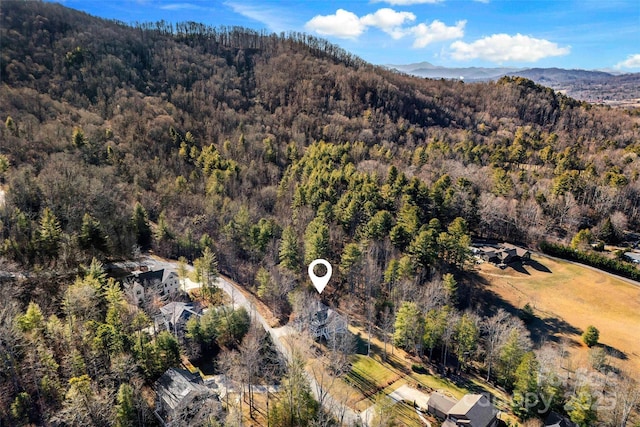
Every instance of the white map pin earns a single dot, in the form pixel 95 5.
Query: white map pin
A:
pixel 320 282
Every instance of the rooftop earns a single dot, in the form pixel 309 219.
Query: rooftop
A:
pixel 173 311
pixel 176 384
pixel 476 408
pixel 441 402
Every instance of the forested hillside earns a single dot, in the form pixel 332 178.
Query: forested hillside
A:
pixel 273 150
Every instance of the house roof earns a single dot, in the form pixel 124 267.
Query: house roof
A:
pixel 556 420
pixel 441 402
pixel 503 252
pixel 149 276
pixel 476 408
pixel 175 385
pixel 518 250
pixel 174 311
pixel 633 255
pixel 323 315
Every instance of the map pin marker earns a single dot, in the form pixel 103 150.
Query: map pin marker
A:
pixel 320 282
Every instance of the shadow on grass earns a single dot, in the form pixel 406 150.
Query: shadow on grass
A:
pixel 547 329
pixel 614 352
pixel 206 365
pixel 524 266
pixel 393 361
pixel 396 363
pixel 367 387
pixel 550 329
pixel 536 265
pixel 361 344
pixel 519 267
pixel 465 383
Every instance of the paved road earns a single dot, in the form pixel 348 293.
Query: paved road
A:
pixel 278 336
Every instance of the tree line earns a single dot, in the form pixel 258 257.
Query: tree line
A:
pixel 271 150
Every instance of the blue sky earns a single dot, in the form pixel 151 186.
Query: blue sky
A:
pixel 587 34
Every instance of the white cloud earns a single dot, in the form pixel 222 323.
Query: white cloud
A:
pixel 182 6
pixel 632 61
pixel 503 47
pixel 347 24
pixel 437 31
pixel 389 21
pixel 275 18
pixel 343 24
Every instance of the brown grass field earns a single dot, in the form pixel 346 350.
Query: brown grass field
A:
pixel 567 298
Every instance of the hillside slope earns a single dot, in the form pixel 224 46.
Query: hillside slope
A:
pixel 267 151
pixel 127 114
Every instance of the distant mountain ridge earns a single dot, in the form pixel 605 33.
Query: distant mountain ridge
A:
pixel 586 85
pixel 426 69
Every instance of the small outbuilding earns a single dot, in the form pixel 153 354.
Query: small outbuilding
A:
pixel 634 257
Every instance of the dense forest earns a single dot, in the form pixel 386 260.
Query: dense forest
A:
pixel 270 151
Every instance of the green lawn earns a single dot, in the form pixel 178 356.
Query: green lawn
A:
pixel 370 376
pixel 438 383
pixel 406 415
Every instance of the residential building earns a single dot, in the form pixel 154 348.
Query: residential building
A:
pixel 502 254
pixel 473 410
pixel 161 282
pixel 173 317
pixel 633 257
pixel 439 405
pixel 179 395
pixel 321 321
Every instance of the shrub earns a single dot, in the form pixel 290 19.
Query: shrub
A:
pixel 418 369
pixel 591 336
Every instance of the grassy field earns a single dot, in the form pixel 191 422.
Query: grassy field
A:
pixel 368 374
pixel 405 415
pixel 567 298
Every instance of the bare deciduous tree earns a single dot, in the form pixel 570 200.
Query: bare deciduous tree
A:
pixel 494 330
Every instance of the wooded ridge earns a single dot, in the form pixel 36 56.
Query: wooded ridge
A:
pixel 273 150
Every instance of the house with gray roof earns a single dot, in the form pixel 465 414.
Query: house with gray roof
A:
pixel 633 257
pixel 321 321
pixel 173 317
pixel 179 395
pixel 326 322
pixel 501 254
pixel 439 405
pixel 473 410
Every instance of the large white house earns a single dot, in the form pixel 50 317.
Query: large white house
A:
pixel 161 282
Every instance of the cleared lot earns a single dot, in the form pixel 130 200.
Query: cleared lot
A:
pixel 567 298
